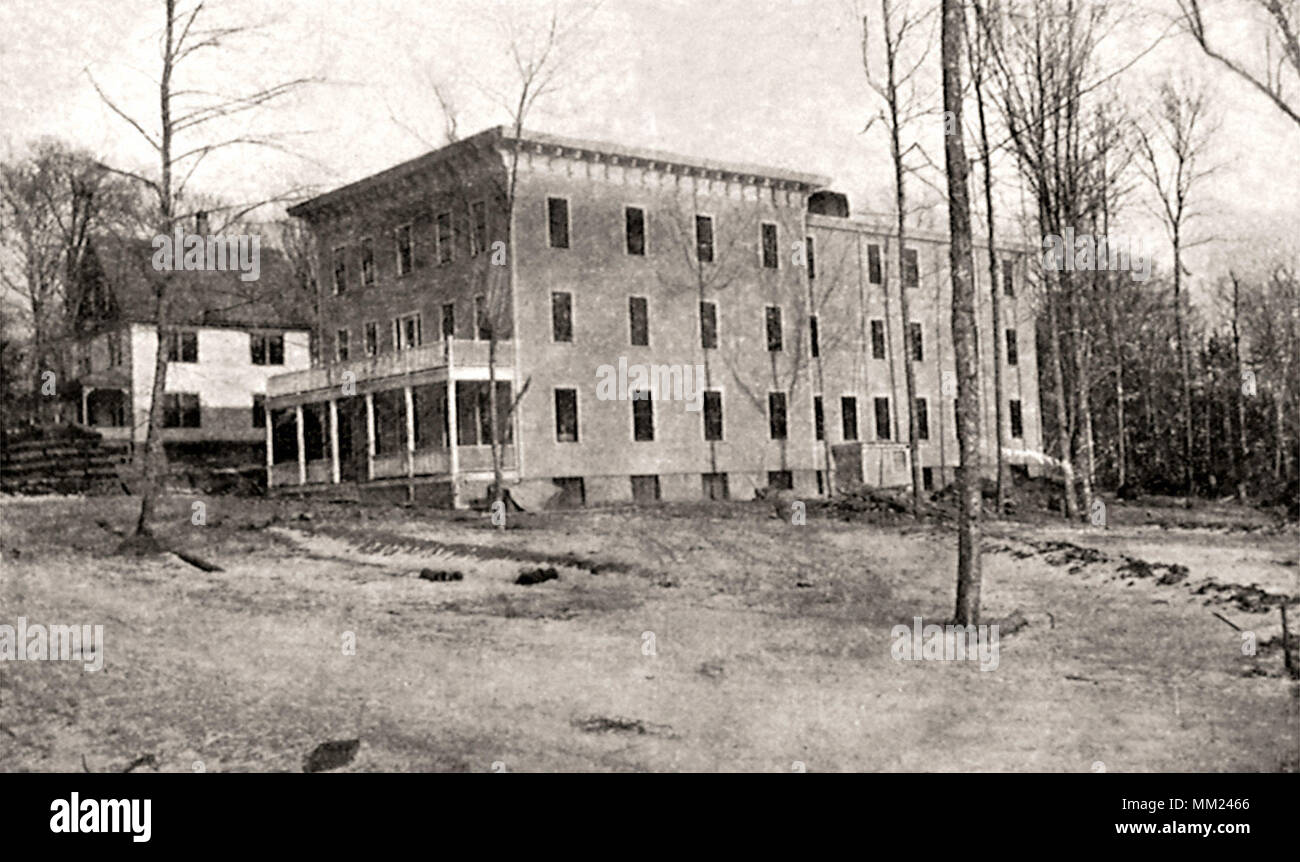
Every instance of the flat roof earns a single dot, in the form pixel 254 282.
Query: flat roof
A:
pixel 499 135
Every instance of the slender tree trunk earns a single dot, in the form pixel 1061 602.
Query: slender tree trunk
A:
pixel 1239 402
pixel 998 330
pixel 965 338
pixel 1184 367
pixel 154 460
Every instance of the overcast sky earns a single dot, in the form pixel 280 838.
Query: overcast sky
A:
pixel 776 82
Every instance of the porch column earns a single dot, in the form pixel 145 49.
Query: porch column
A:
pixel 85 404
pixel 370 436
pixel 270 446
pixel 302 446
pixel 334 440
pixel 409 397
pixel 453 453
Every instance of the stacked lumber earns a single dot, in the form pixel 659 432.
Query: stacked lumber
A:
pixel 59 459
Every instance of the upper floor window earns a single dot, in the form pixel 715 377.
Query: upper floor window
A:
pixel 340 270
pixel 704 238
pixel 1013 355
pixel 922 419
pixel 776 415
pixel 1008 277
pixel 708 325
pixel 638 313
pixel 114 349
pixel 917 337
pixel 819 418
pixel 813 337
pixel 372 338
pixel 875 271
pixel 557 222
pixel 367 261
pixel 911 268
pixel 562 316
pixel 877 339
pixel 773 328
pixel 770 254
pixel 1017 422
pixel 449 320
pixel 849 417
pixel 634 218
pixel 266 349
pixel 482 319
pixel 810 249
pixel 882 418
pixel 566 415
pixel 406 332
pixel 341 345
pixel 478 235
pixel 183 346
pixel 444 236
pixel 712 415
pixel 643 416
pixel 404 259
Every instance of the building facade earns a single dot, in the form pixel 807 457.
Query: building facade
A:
pixel 755 320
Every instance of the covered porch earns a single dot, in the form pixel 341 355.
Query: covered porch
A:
pixel 367 424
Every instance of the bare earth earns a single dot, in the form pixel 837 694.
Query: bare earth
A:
pixel 718 638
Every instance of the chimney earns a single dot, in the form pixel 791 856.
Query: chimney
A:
pixel 201 223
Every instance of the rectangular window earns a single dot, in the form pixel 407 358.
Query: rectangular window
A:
pixel 645 489
pixel 819 418
pixel 181 410
pixel 708 325
pixel 704 239
pixel 877 339
pixel 183 346
pixel 259 410
pixel 882 418
pixel 406 332
pixel 449 320
pixel 849 417
pixel 446 247
pixel 341 345
pixel 635 219
pixel 372 338
pixel 812 335
pixel 773 328
pixel 340 271
pixel 643 416
pixel 562 317
pixel 404 249
pixel 780 480
pixel 776 415
pixel 114 349
pixel 479 232
pixel 1017 425
pixel 367 261
pixel 1008 277
pixel 875 272
pixel 566 415
pixel 1013 355
pixel 638 315
pixel 768 232
pixel 927 478
pixel 911 268
pixel 812 257
pixel 557 222
pixel 922 420
pixel 918 341
pixel 712 415
pixel 482 323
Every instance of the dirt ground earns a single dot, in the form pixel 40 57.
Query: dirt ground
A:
pixel 715 637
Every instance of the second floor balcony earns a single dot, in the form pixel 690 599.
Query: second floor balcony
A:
pixel 414 361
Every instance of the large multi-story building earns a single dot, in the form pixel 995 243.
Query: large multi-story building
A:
pixel 763 319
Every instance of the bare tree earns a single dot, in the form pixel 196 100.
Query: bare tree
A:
pixel 1171 158
pixel 183 113
pixel 965 338
pixel 1279 78
pixel 899 26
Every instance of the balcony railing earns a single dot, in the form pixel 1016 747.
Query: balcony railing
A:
pixel 393 364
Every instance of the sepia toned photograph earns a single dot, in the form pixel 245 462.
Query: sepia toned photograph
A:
pixel 652 386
